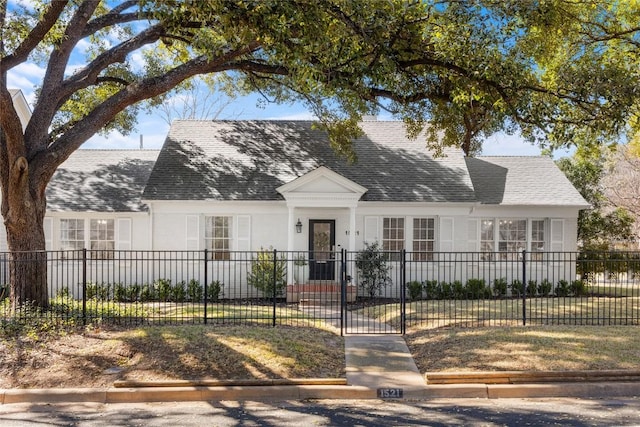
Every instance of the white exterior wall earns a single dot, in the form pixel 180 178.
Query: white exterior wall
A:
pixel 166 228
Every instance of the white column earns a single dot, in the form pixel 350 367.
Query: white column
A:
pixel 352 229
pixel 291 232
pixel 291 229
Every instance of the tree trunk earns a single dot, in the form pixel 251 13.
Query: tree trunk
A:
pixel 23 209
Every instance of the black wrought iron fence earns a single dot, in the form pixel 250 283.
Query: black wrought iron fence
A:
pixel 356 291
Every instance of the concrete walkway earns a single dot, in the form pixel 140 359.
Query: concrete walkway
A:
pixel 382 362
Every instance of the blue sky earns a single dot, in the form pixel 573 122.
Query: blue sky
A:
pixel 154 129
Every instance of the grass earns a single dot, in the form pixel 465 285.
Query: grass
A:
pixel 431 314
pixel 537 348
pixel 45 353
pixel 84 358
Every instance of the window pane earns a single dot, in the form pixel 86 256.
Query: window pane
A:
pixel 218 236
pixel 71 234
pixel 537 235
pixel 512 235
pixel 102 238
pixel 423 239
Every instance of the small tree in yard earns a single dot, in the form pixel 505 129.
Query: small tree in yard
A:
pixel 373 271
pixel 268 273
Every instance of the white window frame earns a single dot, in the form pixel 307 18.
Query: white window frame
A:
pixel 121 236
pixel 68 244
pixel 391 241
pixel 212 240
pixel 491 246
pixel 429 243
pixel 101 238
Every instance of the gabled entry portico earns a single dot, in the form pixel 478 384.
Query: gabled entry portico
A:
pixel 319 192
pixel 318 201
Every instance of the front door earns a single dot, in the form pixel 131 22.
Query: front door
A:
pixel 322 241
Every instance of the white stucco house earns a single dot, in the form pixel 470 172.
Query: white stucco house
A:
pixel 230 186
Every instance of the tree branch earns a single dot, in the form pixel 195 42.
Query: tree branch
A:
pixel 35 36
pixel 89 74
pixel 47 161
pixel 36 132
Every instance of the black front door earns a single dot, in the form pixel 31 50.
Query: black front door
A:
pixel 322 241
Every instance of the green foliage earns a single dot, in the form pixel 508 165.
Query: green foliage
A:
pixel 500 287
pixel 178 292
pixel 415 289
pixel 559 72
pixel 163 289
pixel 545 287
pixel 532 287
pixel 268 274
pixel 373 270
pixel 579 288
pixel 516 288
pixel 599 225
pixel 214 290
pixel 477 289
pixel 98 291
pixel 432 289
pixel 562 288
pixel 446 290
pixel 195 291
pixel 458 290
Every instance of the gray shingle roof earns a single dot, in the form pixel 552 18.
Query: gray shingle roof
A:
pixel 248 160
pixel 101 181
pixel 526 181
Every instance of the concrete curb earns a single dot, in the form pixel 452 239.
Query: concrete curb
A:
pixel 302 392
pixel 531 377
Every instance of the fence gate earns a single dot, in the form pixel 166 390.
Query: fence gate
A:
pixel 377 307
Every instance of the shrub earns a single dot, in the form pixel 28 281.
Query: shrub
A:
pixel 178 292
pixel 458 290
pixel 147 293
pixel 262 275
pixel 516 288
pixel 121 293
pixel 446 290
pixel 545 287
pixel 214 290
pixel 5 291
pixel 578 288
pixel 62 293
pixel 562 288
pixel 500 287
pixel 477 289
pixel 373 271
pixel 415 290
pixel 98 291
pixel 194 291
pixel 532 288
pixel 432 289
pixel 162 289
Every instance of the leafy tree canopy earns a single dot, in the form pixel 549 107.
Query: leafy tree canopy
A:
pixel 604 222
pixel 559 71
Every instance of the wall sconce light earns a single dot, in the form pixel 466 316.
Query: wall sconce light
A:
pixel 298 226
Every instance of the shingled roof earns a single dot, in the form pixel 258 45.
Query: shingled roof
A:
pixel 101 181
pixel 248 160
pixel 522 181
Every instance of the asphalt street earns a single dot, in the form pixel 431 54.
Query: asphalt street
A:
pixel 440 412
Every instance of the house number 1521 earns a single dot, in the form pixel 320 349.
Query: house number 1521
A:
pixel 390 393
